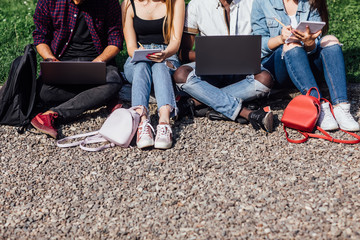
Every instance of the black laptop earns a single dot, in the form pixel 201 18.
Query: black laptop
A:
pixel 228 55
pixel 73 72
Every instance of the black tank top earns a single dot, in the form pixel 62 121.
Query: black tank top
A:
pixel 148 31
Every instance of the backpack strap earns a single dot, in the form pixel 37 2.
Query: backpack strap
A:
pixel 33 63
pixel 327 136
pixel 306 137
pixel 95 139
pixel 63 142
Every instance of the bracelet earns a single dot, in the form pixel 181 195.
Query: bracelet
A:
pixel 49 59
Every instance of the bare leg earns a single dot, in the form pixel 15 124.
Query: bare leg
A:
pixel 265 78
pixel 164 114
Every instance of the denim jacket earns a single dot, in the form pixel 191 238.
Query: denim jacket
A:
pixel 264 24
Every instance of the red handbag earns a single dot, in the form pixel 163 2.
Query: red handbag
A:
pixel 302 114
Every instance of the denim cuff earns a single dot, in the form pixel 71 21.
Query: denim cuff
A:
pixel 174 110
pixel 237 111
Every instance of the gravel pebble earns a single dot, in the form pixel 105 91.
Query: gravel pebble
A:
pixel 221 180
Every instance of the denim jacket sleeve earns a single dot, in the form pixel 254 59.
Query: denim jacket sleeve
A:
pixel 259 27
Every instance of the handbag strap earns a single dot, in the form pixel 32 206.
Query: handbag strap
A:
pixel 143 110
pixel 62 142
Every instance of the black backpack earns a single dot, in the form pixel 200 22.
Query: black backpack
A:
pixel 17 96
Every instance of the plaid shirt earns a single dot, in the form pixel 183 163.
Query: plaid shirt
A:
pixel 55 21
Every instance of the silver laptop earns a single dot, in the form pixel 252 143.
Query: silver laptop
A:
pixel 73 72
pixel 228 55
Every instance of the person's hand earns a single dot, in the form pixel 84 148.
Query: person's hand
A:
pixel 52 59
pixel 285 33
pixel 157 57
pixel 98 59
pixel 306 37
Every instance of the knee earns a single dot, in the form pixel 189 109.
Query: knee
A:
pixel 265 78
pixel 290 46
pixel 141 67
pixel 329 40
pixel 47 94
pixel 112 88
pixel 181 74
pixel 113 75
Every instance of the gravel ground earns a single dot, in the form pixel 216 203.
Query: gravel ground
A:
pixel 221 180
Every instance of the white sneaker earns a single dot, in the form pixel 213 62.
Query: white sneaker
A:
pixel 326 119
pixel 145 137
pixel 344 117
pixel 163 139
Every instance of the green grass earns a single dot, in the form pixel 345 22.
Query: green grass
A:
pixel 345 24
pixel 16 26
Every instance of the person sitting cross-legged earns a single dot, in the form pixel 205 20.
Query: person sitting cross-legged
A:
pixel 225 94
pixel 77 30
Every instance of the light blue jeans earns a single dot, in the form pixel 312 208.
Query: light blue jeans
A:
pixel 225 94
pixel 303 69
pixel 144 75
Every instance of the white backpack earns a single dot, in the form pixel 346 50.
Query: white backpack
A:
pixel 118 129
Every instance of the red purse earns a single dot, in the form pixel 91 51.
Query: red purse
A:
pixel 302 114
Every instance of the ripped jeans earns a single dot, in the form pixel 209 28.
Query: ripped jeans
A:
pixel 144 75
pixel 306 70
pixel 224 93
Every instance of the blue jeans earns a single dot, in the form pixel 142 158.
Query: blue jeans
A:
pixel 303 69
pixel 142 75
pixel 224 94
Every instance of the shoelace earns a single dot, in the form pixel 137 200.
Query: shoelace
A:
pixel 326 114
pixel 163 129
pixel 255 117
pixel 145 131
pixel 52 118
pixel 347 113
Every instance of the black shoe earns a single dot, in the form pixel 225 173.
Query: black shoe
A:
pixel 253 105
pixel 214 115
pixel 187 108
pixel 201 111
pixel 262 119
